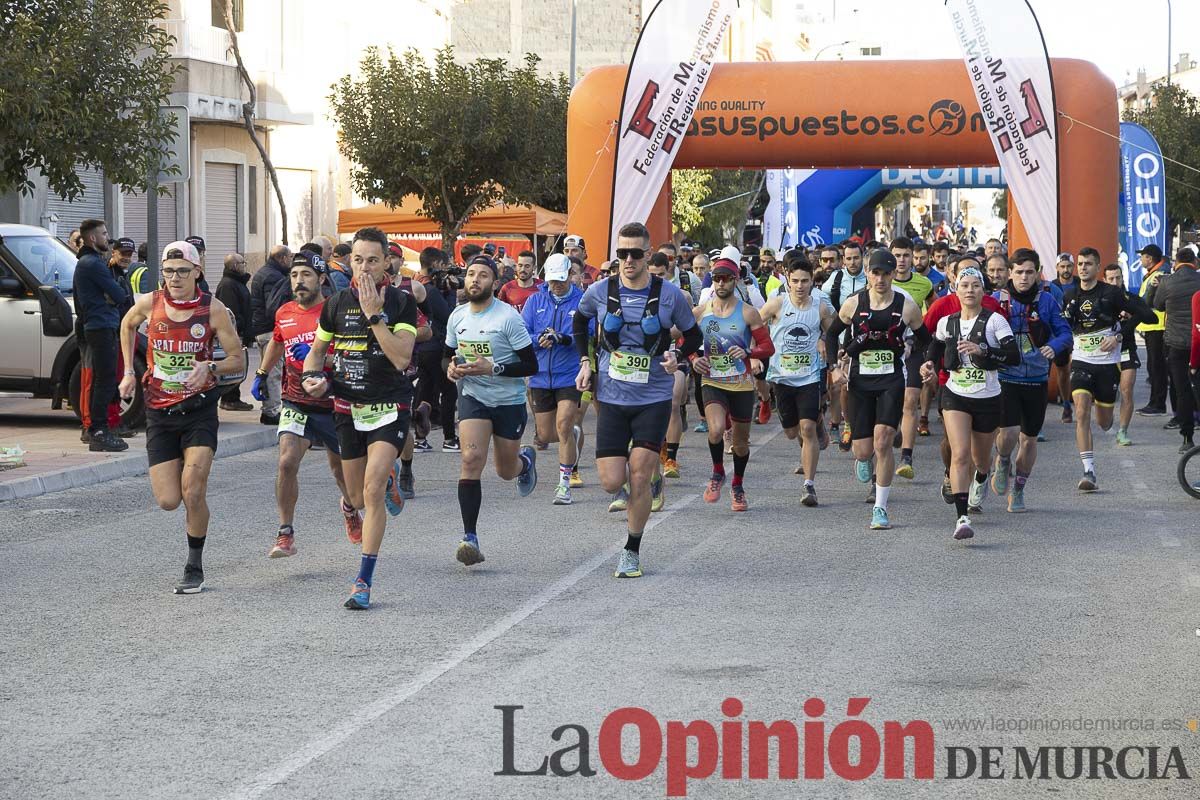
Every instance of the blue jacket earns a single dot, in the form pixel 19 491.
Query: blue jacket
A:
pixel 99 298
pixel 558 365
pixel 1034 367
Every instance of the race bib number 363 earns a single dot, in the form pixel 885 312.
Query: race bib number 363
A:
pixel 876 362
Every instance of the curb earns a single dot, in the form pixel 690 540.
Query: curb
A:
pixel 112 469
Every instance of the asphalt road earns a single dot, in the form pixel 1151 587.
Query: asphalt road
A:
pixel 263 686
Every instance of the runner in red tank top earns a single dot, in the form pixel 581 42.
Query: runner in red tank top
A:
pixel 181 391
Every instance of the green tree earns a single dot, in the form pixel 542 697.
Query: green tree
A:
pixel 1173 117
pixel 82 82
pixel 1000 204
pixel 725 219
pixel 458 136
pixel 689 189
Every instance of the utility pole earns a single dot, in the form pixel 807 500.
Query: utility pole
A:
pixel 574 13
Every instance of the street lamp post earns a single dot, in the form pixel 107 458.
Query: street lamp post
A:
pixel 1168 42
pixel 826 47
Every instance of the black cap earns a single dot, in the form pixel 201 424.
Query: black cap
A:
pixel 196 241
pixel 486 261
pixel 881 259
pixel 1152 250
pixel 126 245
pixel 490 249
pixel 304 258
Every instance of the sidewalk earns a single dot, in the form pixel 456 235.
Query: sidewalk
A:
pixel 55 459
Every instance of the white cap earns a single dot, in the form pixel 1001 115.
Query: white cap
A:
pixel 557 267
pixel 184 250
pixel 732 253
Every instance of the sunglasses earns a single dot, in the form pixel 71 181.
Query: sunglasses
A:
pixel 828 260
pixel 626 253
pixel 722 279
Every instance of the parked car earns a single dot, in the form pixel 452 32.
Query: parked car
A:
pixel 40 354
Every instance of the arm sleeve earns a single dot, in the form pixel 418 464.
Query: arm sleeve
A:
pixel 763 347
pixel 1006 353
pixel 579 329
pixel 406 314
pixel 921 337
pixel 833 337
pixel 692 341
pixel 528 364
pixel 937 345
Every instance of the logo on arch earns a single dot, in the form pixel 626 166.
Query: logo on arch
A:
pixel 947 117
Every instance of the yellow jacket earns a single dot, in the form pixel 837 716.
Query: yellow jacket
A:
pixel 1151 279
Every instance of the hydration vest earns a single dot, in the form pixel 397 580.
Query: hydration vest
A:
pixel 978 334
pixel 655 342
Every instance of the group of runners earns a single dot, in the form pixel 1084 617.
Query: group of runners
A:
pixel 856 348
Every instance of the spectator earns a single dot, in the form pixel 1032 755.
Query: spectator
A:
pixel 233 292
pixel 75 241
pixel 198 243
pixel 339 267
pixel 1154 266
pixel 137 273
pixel 433 387
pixel 1173 295
pixel 573 247
pixel 262 323
pixel 525 283
pixel 98 301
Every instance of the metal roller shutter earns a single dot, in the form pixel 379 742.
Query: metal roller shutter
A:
pixel 89 205
pixel 135 218
pixel 221 215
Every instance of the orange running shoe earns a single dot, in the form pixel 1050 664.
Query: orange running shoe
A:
pixel 738 498
pixel 764 412
pixel 713 493
pixel 353 523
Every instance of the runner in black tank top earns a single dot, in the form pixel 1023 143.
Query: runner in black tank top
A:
pixel 877 319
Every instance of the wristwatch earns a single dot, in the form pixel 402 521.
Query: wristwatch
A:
pixel 497 369
pixel 212 367
pixel 375 319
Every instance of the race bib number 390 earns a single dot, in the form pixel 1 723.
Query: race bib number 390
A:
pixel 876 362
pixel 629 367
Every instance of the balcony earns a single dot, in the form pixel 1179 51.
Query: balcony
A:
pixel 199 42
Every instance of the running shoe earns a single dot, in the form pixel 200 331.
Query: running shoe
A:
pixel 844 442
pixel 1088 482
pixel 1172 425
pixel 285 544
pixel 947 491
pixel 810 497
pixel 468 551
pixel 701 427
pixel 1068 416
pixel 392 498
pixel 1123 439
pixel 621 501
pixel 1016 501
pixel 422 446
pixel 1041 437
pixel 963 529
pixel 193 580
pixel 905 470
pixel 576 480
pixel 862 471
pixel 630 565
pixel 764 412
pixel 737 498
pixel 407 490
pixel 658 497
pixel 975 496
pixel 1000 471
pixel 353 523
pixel 360 597
pixel 451 446
pixel 879 519
pixel 562 495
pixel 420 420
pixel 713 492
pixel 923 426
pixel 671 468
pixel 1151 411
pixel 527 480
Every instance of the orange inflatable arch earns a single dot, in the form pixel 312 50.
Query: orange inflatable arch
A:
pixel 845 114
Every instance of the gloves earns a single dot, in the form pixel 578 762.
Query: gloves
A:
pixel 299 351
pixel 258 389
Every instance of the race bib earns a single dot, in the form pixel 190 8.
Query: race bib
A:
pixel 1089 344
pixel 292 421
pixel 795 364
pixel 1026 344
pixel 1126 356
pixel 629 367
pixel 474 350
pixel 968 380
pixel 373 416
pixel 876 362
pixel 173 369
pixel 724 366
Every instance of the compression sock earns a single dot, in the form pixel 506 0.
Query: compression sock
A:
pixel 1088 458
pixel 633 542
pixel 718 457
pixel 881 495
pixel 195 550
pixel 366 568
pixel 672 450
pixel 960 503
pixel 470 498
pixel 739 468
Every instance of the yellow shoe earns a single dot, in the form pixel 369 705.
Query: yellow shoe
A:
pixel 671 468
pixel 576 480
pixel 658 494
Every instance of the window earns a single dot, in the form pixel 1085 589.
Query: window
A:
pixel 252 201
pixel 218 15
pixel 870 51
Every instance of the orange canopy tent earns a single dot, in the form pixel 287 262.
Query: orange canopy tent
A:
pixel 500 218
